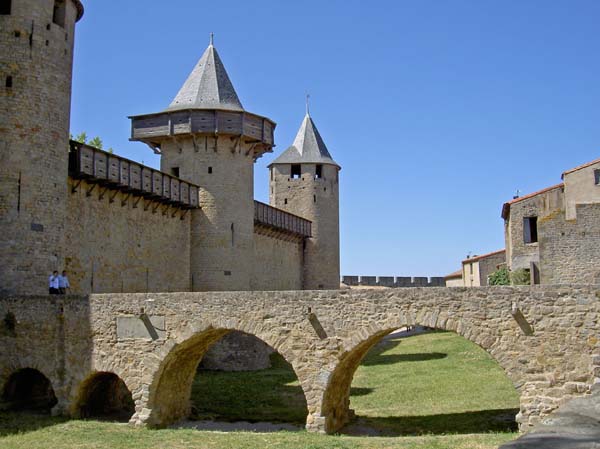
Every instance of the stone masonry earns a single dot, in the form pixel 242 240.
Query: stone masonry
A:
pixel 544 338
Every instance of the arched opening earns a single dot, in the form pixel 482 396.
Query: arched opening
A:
pixel 105 396
pixel 233 384
pixel 413 381
pixel 29 390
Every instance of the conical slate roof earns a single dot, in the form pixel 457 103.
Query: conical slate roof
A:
pixel 208 86
pixel 308 147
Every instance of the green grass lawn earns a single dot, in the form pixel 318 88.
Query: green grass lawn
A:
pixel 431 391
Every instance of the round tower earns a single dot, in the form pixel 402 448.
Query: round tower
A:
pixel 207 138
pixel 305 182
pixel 36 60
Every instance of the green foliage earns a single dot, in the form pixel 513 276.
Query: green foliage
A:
pixel 520 277
pixel 499 277
pixel 95 142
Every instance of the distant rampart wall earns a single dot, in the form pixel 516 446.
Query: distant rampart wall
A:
pixel 393 281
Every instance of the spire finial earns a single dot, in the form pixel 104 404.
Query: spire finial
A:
pixel 212 38
pixel 307 105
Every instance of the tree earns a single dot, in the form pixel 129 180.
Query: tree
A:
pixel 96 142
pixel 499 277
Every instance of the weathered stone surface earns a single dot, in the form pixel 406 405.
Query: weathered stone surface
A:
pixel 70 338
pixel 575 425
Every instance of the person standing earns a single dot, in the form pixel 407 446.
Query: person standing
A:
pixel 63 283
pixel 53 283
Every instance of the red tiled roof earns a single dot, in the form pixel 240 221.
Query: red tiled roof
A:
pixel 596 161
pixel 483 256
pixel 455 275
pixel 506 206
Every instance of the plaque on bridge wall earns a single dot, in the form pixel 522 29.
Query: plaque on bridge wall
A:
pixel 144 326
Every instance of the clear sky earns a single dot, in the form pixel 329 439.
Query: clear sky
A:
pixel 436 110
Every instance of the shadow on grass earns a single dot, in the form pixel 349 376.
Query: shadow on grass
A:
pixel 500 420
pixel 390 359
pixel 22 422
pixel 271 395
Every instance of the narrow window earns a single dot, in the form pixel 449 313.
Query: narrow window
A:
pixel 314 198
pixel 530 234
pixel 17 33
pixel 271 174
pixel 175 171
pixel 285 201
pixel 319 172
pixel 210 170
pixel 232 235
pixel 60 10
pixel 5 7
pixel 9 81
pixel 597 177
pixel 296 171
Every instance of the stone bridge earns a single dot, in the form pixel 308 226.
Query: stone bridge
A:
pixel 545 338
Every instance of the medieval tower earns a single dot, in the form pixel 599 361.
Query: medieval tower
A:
pixel 304 181
pixel 206 137
pixel 36 60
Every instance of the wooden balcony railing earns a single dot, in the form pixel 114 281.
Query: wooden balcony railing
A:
pixel 281 220
pixel 95 165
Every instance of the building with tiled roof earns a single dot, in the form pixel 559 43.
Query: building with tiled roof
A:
pixel 554 233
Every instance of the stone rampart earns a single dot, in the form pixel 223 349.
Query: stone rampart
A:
pixel 544 338
pixel 393 281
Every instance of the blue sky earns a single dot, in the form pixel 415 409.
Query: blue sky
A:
pixel 437 110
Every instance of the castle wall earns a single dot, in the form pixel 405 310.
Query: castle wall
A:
pixel 36 57
pixel 222 232
pixel 114 245
pixel 570 249
pixel 316 200
pixel 277 265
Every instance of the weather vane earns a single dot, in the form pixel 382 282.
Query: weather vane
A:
pixel 307 105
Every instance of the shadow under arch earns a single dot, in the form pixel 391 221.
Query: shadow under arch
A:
pixel 336 398
pixel 28 389
pixel 104 395
pixel 169 397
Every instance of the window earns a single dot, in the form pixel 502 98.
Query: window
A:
pixel 285 201
pixel 319 172
pixel 5 7
pixel 175 171
pixel 9 81
pixel 60 10
pixel 210 170
pixel 530 234
pixel 296 171
pixel 597 177
pixel 314 198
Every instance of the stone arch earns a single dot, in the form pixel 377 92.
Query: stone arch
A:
pixel 167 398
pixel 335 408
pixel 28 389
pixel 103 395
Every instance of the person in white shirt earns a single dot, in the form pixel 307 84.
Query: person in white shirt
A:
pixel 63 283
pixel 53 283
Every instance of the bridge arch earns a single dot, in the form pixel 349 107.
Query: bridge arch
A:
pixel 169 388
pixel 335 406
pixel 103 395
pixel 28 389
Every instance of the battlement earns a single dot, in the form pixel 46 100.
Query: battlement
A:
pixel 393 281
pixel 116 172
pixel 280 220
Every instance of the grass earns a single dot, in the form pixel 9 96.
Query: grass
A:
pixel 437 390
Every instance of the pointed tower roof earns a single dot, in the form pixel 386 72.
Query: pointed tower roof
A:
pixel 308 147
pixel 208 86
